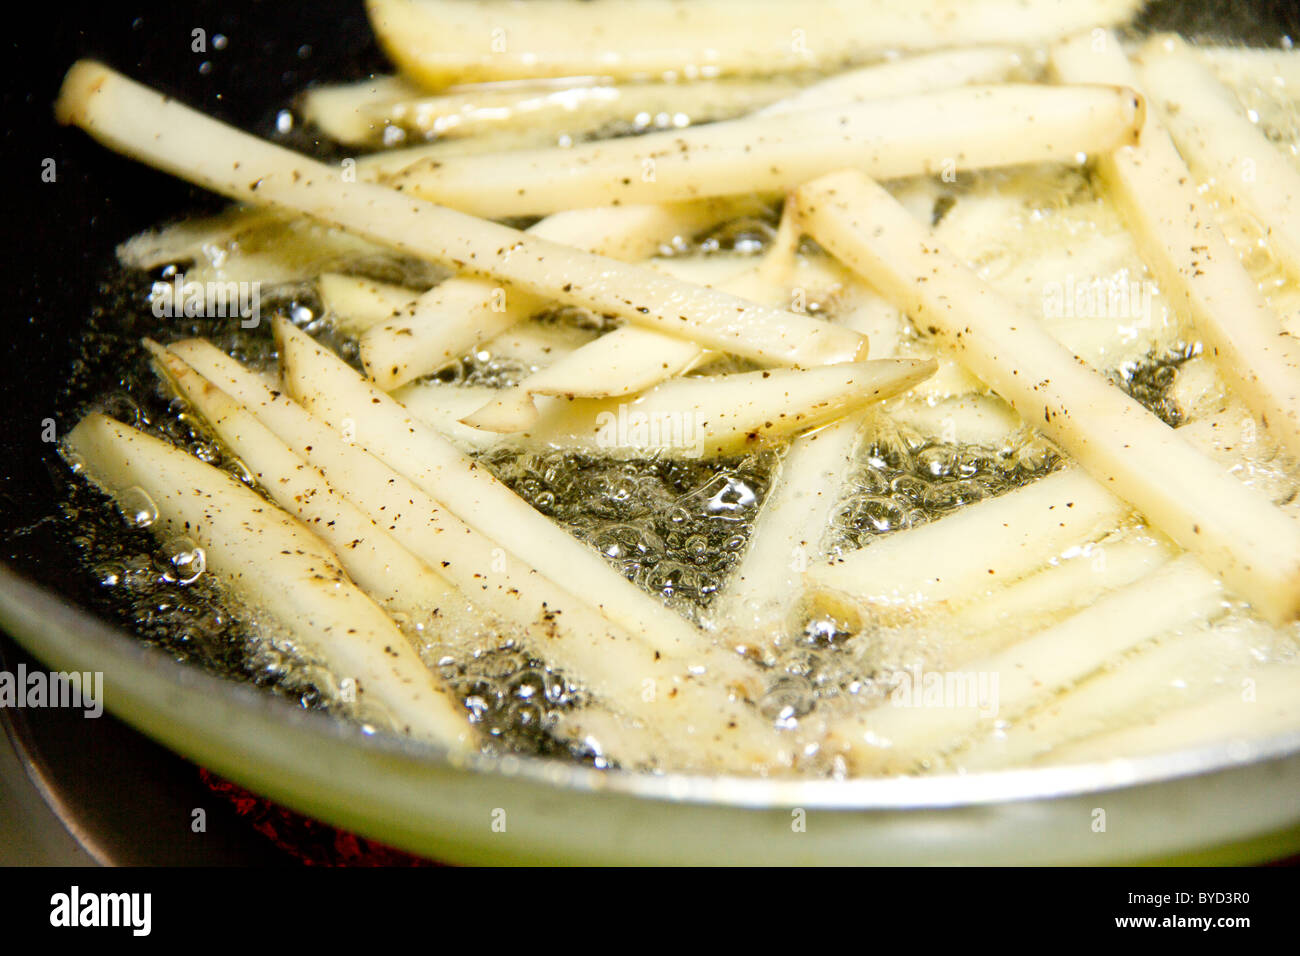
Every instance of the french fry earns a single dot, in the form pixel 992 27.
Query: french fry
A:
pixel 696 700
pixel 371 112
pixel 951 382
pixel 968 128
pixel 373 559
pixel 253 245
pixel 146 125
pixel 991 621
pixel 925 73
pixel 383 110
pixel 443 407
pixel 1236 531
pixel 179 241
pixel 382 165
pixel 458 315
pixel 441 42
pixel 332 391
pixel 1232 716
pixel 917 74
pixel 361 304
pixel 623 362
pixel 1190 257
pixel 1180 670
pixel 345 112
pixel 788 534
pixel 266 559
pixel 577 108
pixel 978 419
pixel 898 735
pixel 536 345
pixel 708 416
pixel 1213 133
pixel 630 359
pixel 1017 532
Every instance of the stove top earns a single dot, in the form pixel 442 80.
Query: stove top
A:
pixel 77 791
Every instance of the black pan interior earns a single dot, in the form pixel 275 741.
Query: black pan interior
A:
pixel 61 235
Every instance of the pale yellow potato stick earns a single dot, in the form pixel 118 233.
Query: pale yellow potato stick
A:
pixel 973 127
pixel 1232 717
pixel 457 315
pixel 1181 669
pixel 1215 135
pixel 149 126
pixel 1018 532
pixel 343 111
pixel 332 391
pixel 578 107
pixel 441 42
pixel 631 359
pixel 383 111
pixel 710 415
pixel 265 558
pixel 906 729
pixel 1189 255
pixel 360 304
pixel 1236 531
pixel 378 564
pixel 696 699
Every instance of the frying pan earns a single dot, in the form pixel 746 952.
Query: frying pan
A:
pixel 1214 804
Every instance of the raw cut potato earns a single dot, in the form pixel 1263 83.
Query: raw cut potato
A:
pixel 1189 255
pixel 144 124
pixel 698 698
pixel 901 733
pixel 1214 134
pixel 1237 532
pixel 708 416
pixel 275 565
pixel 973 127
pixel 441 42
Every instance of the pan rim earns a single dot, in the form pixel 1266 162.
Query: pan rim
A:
pixel 23 599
